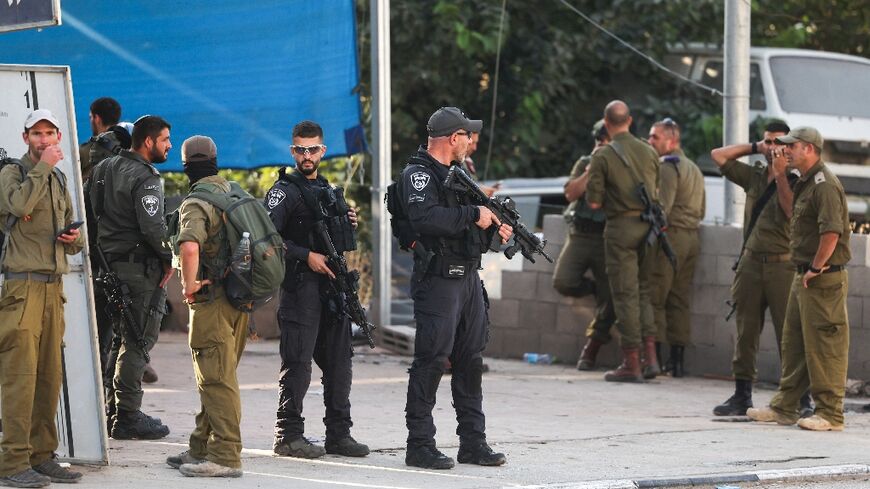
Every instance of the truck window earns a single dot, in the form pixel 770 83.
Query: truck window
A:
pixel 714 72
pixel 812 85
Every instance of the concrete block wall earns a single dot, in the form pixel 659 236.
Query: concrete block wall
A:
pixel 529 316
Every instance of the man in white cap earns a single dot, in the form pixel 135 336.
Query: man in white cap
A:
pixel 37 211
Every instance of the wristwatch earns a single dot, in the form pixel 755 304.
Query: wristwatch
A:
pixel 754 147
pixel 814 270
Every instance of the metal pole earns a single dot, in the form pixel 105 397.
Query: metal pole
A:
pixel 382 161
pixel 736 88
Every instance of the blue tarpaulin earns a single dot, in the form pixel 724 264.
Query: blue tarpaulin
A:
pixel 242 73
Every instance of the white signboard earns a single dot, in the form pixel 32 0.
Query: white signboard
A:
pixel 80 416
pixel 18 15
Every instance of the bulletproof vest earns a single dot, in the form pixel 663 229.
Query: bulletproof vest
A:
pixel 472 242
pixel 322 202
pixel 104 145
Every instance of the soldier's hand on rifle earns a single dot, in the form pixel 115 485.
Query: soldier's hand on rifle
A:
pixel 351 214
pixel 317 264
pixel 69 237
pixel 487 218
pixel 192 288
pixel 505 231
pixel 52 154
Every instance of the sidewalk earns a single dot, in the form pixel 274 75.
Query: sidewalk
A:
pixel 557 426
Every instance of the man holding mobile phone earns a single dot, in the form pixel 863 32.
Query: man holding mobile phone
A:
pixel 34 205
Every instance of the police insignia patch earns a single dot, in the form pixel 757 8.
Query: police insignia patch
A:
pixel 275 197
pixel 151 204
pixel 819 178
pixel 419 180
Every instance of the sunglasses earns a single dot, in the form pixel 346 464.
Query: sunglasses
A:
pixel 464 133
pixel 303 150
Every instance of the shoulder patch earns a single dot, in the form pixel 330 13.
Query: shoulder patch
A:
pixel 275 197
pixel 819 178
pixel 151 204
pixel 419 180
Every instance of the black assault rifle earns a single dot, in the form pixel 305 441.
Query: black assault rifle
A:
pixel 505 210
pixel 346 282
pixel 118 302
pixel 655 216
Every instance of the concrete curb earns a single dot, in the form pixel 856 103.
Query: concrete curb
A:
pixel 707 480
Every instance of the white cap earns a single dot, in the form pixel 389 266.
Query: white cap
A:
pixel 40 115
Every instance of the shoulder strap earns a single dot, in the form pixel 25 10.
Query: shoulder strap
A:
pixel 11 219
pixel 307 194
pixel 617 148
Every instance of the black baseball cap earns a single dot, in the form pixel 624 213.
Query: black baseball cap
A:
pixel 447 120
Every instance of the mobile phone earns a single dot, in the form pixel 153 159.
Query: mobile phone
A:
pixel 69 227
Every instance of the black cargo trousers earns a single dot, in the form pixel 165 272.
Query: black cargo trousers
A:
pixel 309 330
pixel 452 324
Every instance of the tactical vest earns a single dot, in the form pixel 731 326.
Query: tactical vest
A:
pixel 323 202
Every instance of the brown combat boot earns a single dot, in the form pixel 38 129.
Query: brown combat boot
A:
pixel 589 353
pixel 649 358
pixel 629 371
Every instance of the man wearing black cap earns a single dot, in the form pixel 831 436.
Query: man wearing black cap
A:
pixel 311 322
pixel 815 335
pixel 126 197
pixel 218 330
pixel 35 200
pixel 449 299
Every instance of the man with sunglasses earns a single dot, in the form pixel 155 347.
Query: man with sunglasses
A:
pixel 764 271
pixel 815 335
pixel 449 298
pixel 683 200
pixel 310 328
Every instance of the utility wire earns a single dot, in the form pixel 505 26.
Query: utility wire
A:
pixel 495 89
pixel 640 53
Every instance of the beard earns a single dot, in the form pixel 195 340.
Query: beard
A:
pixel 308 171
pixel 157 156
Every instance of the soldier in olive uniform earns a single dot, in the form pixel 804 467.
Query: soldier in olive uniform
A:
pixel 131 233
pixel 815 336
pixel 35 196
pixel 105 112
pixel 584 250
pixel 217 329
pixel 683 200
pixel 614 175
pixel 764 271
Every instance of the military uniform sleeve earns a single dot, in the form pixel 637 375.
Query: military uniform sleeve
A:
pixel 281 201
pixel 19 197
pixel 148 202
pixel 829 203
pixel 737 172
pixel 597 179
pixel 192 222
pixel 668 186
pixel 425 212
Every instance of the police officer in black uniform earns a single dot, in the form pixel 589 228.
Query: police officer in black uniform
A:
pixel 126 196
pixel 311 321
pixel 449 298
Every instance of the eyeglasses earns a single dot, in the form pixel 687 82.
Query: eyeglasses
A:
pixel 463 133
pixel 303 150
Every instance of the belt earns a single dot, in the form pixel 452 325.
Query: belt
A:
pixel 48 278
pixel 129 257
pixel 768 258
pixel 630 214
pixel 805 267
pixel 449 267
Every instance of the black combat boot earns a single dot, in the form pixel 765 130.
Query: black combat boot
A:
pixel 737 404
pixel 427 457
pixel 807 407
pixel 479 454
pixel 136 425
pixel 676 361
pixel 589 354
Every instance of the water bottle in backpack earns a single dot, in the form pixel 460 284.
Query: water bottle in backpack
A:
pixel 240 275
pixel 241 261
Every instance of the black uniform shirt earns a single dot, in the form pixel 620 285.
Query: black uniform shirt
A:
pixel 291 216
pixel 426 203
